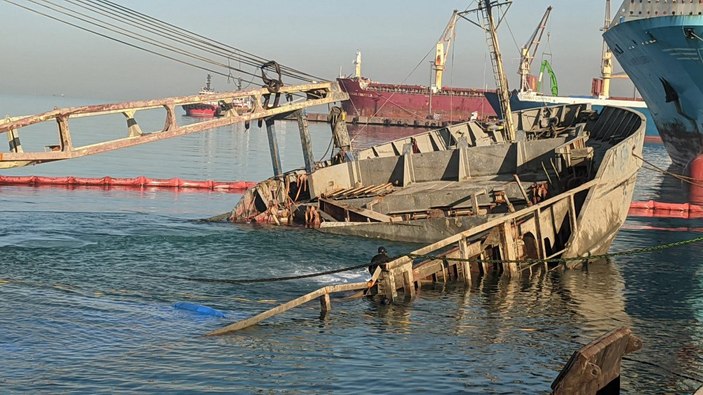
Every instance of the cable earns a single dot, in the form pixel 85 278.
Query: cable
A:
pixel 125 16
pixel 689 180
pixel 269 279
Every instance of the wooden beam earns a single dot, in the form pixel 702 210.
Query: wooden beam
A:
pixel 291 304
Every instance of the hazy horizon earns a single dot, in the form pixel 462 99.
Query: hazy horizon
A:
pixel 46 57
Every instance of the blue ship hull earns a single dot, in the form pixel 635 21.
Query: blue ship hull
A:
pixel 663 57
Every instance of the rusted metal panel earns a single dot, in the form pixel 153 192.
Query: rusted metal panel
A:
pixel 596 365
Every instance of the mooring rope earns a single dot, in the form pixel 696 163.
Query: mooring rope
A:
pixel 698 379
pixel 634 251
pixel 686 179
pixel 270 279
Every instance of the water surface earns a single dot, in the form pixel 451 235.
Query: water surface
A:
pixel 89 277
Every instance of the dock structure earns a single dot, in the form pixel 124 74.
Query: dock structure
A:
pixel 267 104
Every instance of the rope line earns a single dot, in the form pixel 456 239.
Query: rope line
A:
pixel 634 251
pixel 270 279
pixel 686 179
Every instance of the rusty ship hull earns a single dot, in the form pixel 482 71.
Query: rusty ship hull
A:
pixel 564 186
pixel 414 104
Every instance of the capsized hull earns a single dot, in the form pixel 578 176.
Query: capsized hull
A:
pixel 662 56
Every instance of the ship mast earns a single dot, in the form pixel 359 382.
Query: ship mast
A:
pixel 606 68
pixel 357 64
pixel 488 24
pixel 443 49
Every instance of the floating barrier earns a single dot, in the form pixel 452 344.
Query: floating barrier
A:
pixel 665 210
pixel 198 308
pixel 137 182
pixel 662 228
pixel 653 139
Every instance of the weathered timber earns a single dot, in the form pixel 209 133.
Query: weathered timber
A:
pixel 315 94
pixel 326 305
pixel 595 367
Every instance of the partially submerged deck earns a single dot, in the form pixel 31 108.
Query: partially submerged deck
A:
pixel 476 223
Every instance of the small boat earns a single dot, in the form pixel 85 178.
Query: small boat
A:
pixel 206 109
pixel 209 109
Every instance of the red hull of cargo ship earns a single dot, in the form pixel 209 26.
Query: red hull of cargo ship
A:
pixel 412 102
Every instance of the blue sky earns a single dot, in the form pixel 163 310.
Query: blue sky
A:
pixel 42 56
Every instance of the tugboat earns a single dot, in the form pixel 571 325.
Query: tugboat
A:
pixel 204 109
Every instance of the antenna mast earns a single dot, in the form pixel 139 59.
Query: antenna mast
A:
pixel 489 25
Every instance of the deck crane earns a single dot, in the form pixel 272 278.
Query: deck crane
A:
pixel 529 50
pixel 606 68
pixel 445 41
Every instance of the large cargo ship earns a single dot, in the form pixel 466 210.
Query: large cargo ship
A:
pixel 660 46
pixel 415 104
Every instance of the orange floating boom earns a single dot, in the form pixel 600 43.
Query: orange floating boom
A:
pixel 137 182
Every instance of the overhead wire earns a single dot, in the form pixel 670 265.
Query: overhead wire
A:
pixel 139 37
pixel 110 11
pixel 288 71
pixel 117 40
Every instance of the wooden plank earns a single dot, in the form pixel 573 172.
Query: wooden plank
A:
pixel 291 304
pixel 374 215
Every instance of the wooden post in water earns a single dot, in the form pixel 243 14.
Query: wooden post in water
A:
pixel 389 286
pixel 325 304
pixel 465 264
pixel 408 280
pixel 508 248
pixel 273 147
pixel 305 141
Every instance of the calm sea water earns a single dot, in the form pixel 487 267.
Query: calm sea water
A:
pixel 88 280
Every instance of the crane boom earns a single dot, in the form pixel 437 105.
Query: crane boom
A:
pixel 606 68
pixel 528 51
pixel 445 41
